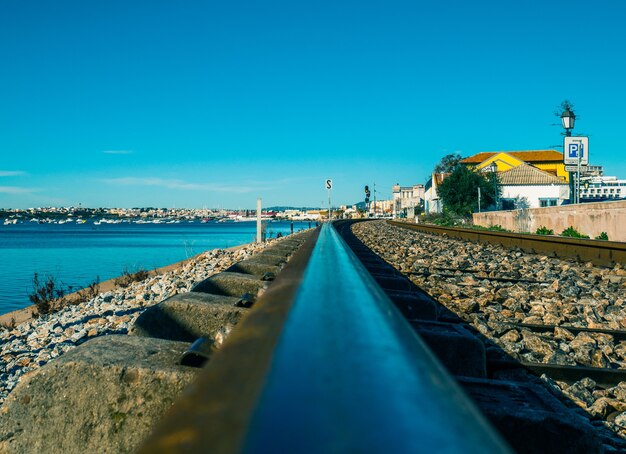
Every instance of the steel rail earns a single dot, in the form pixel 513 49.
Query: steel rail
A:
pixel 605 253
pixel 346 373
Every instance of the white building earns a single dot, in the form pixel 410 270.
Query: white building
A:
pixel 538 188
pixel 596 189
pixel 406 199
pixel 432 202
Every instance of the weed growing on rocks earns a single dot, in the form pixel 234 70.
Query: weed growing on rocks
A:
pixel 128 278
pixel 46 294
pixel 89 292
pixel 543 230
pixel 571 232
pixel 491 228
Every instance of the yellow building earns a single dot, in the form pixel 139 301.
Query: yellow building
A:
pixel 550 161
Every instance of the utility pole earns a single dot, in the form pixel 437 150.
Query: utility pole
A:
pixel 329 186
pixel 375 204
pixel 259 238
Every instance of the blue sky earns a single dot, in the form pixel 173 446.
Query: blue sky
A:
pixel 194 103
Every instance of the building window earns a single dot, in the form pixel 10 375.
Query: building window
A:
pixel 548 202
pixel 508 204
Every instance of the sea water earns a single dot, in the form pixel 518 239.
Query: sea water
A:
pixel 78 254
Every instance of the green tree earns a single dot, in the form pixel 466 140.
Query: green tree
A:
pixel 448 163
pixel 459 191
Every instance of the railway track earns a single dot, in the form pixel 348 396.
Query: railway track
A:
pixel 327 358
pixel 599 252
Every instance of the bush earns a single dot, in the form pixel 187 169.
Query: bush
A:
pixel 571 232
pixel 89 292
pixel 445 219
pixel 128 278
pixel 492 228
pixel 46 294
pixel 603 236
pixel 544 231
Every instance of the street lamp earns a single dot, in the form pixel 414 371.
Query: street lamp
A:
pixel 494 170
pixel 568 118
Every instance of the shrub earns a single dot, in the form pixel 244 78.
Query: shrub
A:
pixel 571 232
pixel 544 231
pixel 46 294
pixel 445 219
pixel 492 228
pixel 603 236
pixel 128 278
pixel 89 292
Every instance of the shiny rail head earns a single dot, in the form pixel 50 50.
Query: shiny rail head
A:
pixel 350 375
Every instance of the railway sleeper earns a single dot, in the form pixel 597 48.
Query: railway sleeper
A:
pixel 188 316
pixel 253 267
pixel 270 258
pixel 530 418
pixel 457 349
pixel 231 284
pixel 105 395
pixel 413 305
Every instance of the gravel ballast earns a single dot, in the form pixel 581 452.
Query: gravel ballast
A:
pixel 471 280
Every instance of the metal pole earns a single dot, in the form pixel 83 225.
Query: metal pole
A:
pixel 329 204
pixel 375 204
pixel 578 176
pixel 258 221
pixel 572 181
pixel 495 189
pixel 479 199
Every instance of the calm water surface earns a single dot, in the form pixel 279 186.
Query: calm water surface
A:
pixel 77 254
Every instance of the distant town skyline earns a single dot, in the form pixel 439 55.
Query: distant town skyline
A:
pixel 155 103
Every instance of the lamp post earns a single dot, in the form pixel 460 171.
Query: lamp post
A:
pixel 568 118
pixel 494 171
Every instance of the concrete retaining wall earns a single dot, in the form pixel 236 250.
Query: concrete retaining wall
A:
pixel 588 218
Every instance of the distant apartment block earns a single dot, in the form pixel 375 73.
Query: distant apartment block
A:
pixel 406 199
pixel 596 189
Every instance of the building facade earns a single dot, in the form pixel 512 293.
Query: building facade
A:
pixel 432 202
pixel 526 186
pixel 597 189
pixel 407 200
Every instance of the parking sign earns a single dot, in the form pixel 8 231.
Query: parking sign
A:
pixel 574 147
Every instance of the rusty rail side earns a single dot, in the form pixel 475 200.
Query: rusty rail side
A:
pixel 606 253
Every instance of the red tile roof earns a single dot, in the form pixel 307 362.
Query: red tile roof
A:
pixel 526 156
pixel 527 175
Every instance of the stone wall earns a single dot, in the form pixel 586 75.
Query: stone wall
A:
pixel 588 218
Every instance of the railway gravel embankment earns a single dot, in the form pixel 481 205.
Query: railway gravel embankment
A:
pixel 30 345
pixel 496 290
